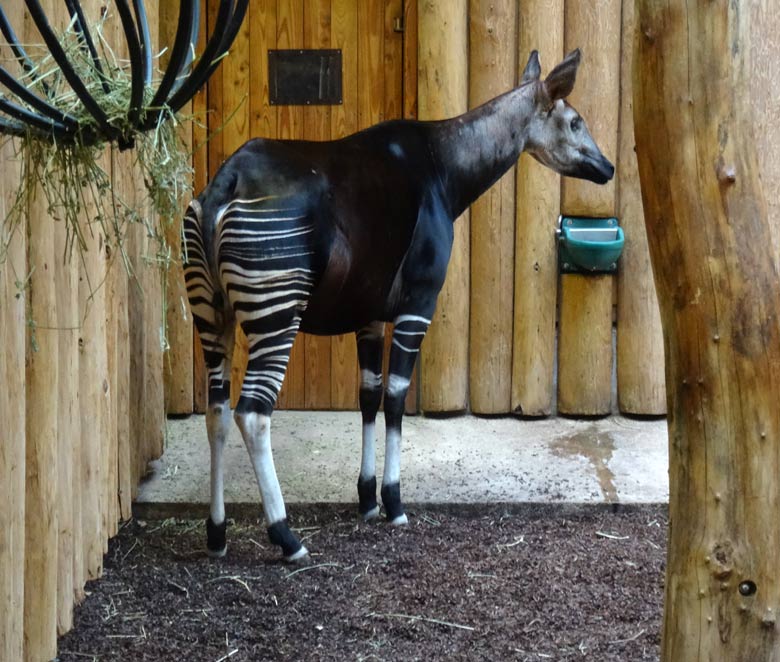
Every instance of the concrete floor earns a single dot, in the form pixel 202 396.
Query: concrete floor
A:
pixel 465 459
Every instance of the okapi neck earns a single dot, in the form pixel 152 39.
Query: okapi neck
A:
pixel 475 149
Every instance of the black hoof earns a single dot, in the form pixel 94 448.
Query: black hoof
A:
pixel 216 539
pixel 279 534
pixel 391 500
pixel 368 506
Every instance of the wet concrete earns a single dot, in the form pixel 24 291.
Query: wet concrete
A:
pixel 465 459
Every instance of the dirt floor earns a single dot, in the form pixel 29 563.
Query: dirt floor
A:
pixel 488 583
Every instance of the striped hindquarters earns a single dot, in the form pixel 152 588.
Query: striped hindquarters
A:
pixel 265 251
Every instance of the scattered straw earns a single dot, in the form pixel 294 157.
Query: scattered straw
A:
pixel 412 617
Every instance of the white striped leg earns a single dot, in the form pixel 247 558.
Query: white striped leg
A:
pixel 408 334
pixel 218 419
pixel 268 356
pixel 370 346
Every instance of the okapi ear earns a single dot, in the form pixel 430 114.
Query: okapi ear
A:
pixel 560 81
pixel 533 69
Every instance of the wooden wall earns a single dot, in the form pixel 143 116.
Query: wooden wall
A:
pixel 510 335
pixel 81 409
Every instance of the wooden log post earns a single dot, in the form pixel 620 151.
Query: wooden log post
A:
pixel 178 364
pixel 492 71
pixel 344 120
pixel 718 289
pixel 640 349
pixel 536 261
pixel 40 494
pixel 13 329
pixel 585 325
pixel 443 92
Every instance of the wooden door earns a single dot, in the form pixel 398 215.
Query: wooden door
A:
pixel 379 83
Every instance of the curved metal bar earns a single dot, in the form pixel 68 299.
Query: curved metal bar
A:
pixel 75 11
pixel 13 128
pixel 136 63
pixel 39 18
pixel 24 93
pixel 18 50
pixel 146 40
pixel 181 46
pixel 193 34
pixel 28 117
pixel 225 31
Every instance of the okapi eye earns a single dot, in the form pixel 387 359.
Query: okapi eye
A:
pixel 575 124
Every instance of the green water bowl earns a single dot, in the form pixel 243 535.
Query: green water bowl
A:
pixel 589 245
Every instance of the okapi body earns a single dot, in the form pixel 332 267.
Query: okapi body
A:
pixel 343 236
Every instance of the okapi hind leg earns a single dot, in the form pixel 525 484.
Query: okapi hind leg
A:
pixel 370 346
pixel 215 325
pixel 408 334
pixel 269 352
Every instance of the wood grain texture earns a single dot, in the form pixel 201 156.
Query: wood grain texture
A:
pixel 344 121
pixel 290 125
pixel 585 342
pixel 178 359
pixel 200 165
pixel 317 126
pixel 640 345
pixel 40 495
pixel 492 71
pixel 12 410
pixel 443 92
pixel 536 260
pixel 718 286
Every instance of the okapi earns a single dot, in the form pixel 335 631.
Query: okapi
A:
pixel 344 236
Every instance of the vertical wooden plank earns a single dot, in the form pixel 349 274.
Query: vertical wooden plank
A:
pixel 178 357
pixel 40 562
pixel 765 91
pixel 41 403
pixel 12 409
pixel 344 121
pixel 410 111
pixel 121 391
pixel 316 126
pixel 290 125
pixel 200 164
pixel 443 92
pixel 153 288
pixel 235 130
pixel 585 339
pixel 640 344
pixel 92 373
pixel 536 261
pixel 492 71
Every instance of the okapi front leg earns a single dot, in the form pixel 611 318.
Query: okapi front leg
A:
pixel 370 346
pixel 408 334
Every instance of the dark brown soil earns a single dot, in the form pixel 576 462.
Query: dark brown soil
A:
pixel 493 583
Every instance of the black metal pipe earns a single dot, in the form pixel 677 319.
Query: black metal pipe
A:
pixel 146 40
pixel 32 99
pixel 181 46
pixel 14 128
pixel 136 67
pixel 17 49
pixel 212 51
pixel 206 66
pixel 53 44
pixel 28 117
pixel 75 11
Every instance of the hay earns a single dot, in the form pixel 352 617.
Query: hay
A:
pixel 70 174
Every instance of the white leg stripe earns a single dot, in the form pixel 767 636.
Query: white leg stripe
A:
pixel 392 473
pixel 256 430
pixel 368 458
pixel 370 379
pixel 217 426
pixel 410 318
pixel 396 385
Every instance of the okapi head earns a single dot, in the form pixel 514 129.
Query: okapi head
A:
pixel 557 135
